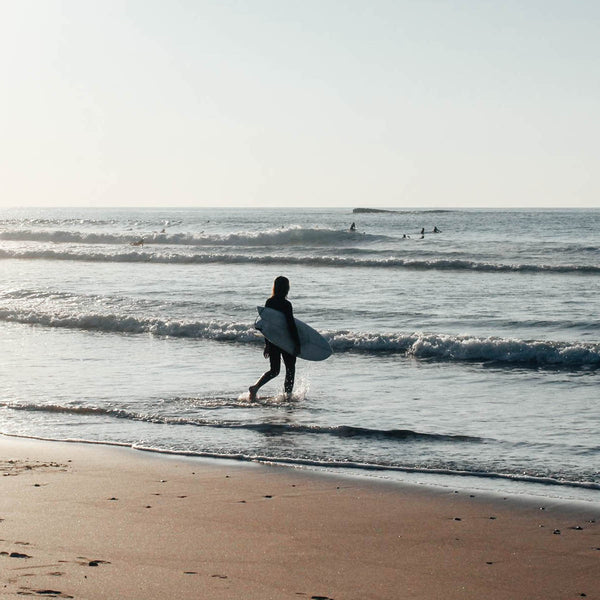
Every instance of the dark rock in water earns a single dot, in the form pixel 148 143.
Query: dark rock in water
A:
pixel 372 210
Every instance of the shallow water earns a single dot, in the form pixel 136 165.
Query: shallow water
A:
pixel 475 351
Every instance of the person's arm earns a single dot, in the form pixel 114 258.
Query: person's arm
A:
pixel 289 316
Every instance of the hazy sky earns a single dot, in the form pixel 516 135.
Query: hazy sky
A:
pixel 300 103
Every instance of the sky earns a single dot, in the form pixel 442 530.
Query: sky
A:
pixel 331 103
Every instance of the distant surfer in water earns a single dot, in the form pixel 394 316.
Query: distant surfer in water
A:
pixel 278 301
pixel 353 227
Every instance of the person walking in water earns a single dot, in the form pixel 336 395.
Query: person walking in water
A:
pixel 278 301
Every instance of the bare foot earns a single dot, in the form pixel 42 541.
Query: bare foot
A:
pixel 252 393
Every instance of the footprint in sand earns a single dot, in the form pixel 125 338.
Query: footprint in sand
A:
pixel 46 593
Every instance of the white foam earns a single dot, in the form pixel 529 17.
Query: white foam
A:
pixel 165 256
pixel 291 236
pixel 419 345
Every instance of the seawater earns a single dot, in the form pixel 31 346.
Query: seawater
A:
pixel 469 357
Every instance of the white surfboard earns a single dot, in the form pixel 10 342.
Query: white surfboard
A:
pixel 273 325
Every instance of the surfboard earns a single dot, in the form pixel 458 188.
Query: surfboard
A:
pixel 272 324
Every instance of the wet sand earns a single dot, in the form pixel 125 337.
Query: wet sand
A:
pixel 96 522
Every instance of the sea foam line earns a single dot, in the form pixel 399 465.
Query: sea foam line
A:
pixel 328 464
pixel 432 346
pixel 166 257
pixel 342 431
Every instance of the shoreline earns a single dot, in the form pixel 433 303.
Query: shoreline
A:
pixel 489 484
pixel 95 521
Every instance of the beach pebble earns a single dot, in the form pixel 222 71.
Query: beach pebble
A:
pixel 556 532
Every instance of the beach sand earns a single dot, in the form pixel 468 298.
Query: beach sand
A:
pixel 95 522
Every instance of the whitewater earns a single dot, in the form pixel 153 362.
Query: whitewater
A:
pixel 467 358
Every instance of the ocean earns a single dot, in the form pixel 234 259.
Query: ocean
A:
pixel 466 359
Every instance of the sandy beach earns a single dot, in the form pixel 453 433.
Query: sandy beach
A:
pixel 96 522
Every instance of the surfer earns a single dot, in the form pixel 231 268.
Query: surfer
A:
pixel 353 227
pixel 436 230
pixel 278 301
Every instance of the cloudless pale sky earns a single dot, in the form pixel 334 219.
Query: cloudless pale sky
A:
pixel 400 103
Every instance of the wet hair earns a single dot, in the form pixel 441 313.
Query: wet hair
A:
pixel 281 287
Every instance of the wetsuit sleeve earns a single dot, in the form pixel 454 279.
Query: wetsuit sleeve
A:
pixel 289 316
pixel 285 306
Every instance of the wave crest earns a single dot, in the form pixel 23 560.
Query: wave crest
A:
pixel 291 236
pixel 432 346
pixel 172 257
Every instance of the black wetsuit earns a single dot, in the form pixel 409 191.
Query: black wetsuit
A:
pixel 275 353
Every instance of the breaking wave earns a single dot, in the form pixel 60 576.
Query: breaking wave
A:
pixel 430 346
pixel 291 236
pixel 166 257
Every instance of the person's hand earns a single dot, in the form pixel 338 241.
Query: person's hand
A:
pixel 266 352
